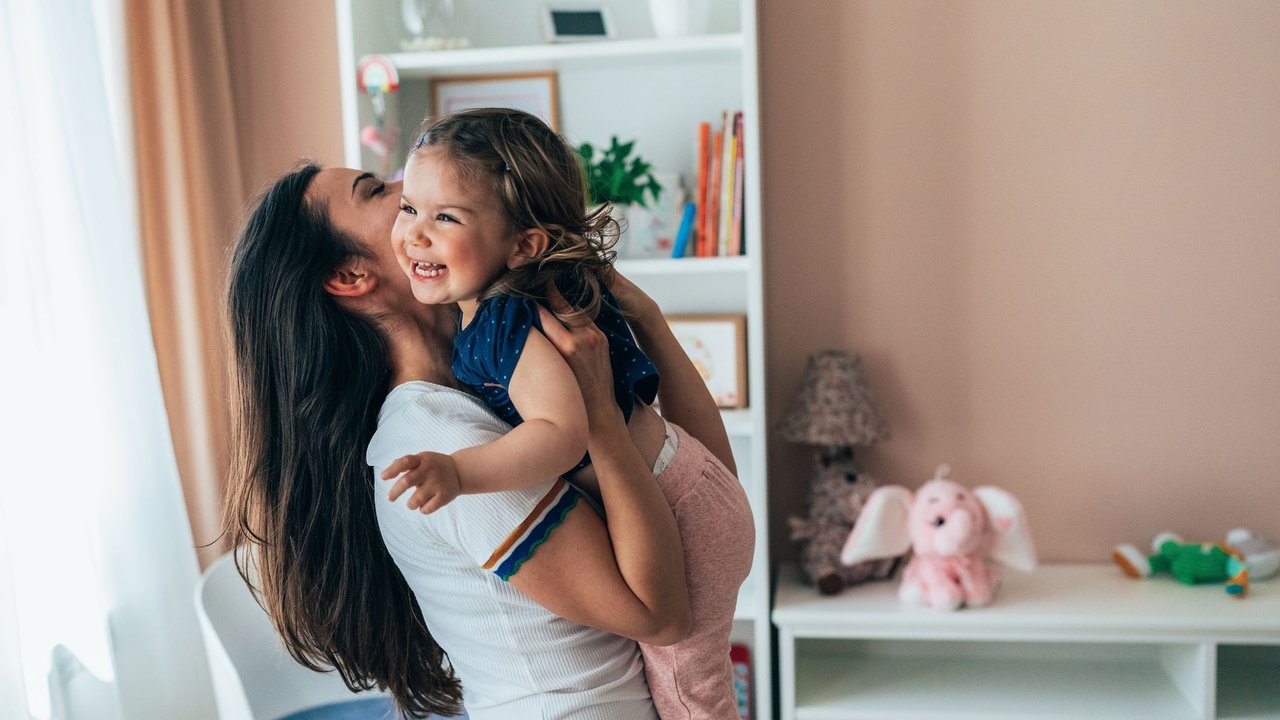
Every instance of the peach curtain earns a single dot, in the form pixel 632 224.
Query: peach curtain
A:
pixel 190 192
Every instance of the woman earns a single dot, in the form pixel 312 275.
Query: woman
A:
pixel 324 330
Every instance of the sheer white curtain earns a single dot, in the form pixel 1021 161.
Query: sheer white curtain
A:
pixel 95 549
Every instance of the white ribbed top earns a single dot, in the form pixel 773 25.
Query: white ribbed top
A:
pixel 515 658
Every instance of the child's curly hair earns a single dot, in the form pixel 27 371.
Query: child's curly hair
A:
pixel 541 183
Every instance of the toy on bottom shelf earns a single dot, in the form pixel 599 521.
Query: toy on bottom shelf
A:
pixel 740 657
pixel 953 531
pixel 834 412
pixel 1244 554
pixel 1261 555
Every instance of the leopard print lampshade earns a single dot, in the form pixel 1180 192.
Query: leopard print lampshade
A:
pixel 834 407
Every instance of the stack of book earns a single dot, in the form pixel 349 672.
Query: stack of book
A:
pixel 711 224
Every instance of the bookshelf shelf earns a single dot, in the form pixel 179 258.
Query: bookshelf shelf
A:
pixel 656 91
pixel 738 423
pixel 695 286
pixel 497 59
pixel 684 266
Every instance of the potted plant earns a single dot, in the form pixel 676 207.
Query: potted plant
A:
pixel 628 184
pixel 614 176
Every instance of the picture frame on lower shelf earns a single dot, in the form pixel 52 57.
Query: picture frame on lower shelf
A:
pixel 533 92
pixel 717 345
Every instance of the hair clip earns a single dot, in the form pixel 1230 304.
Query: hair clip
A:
pixel 422 140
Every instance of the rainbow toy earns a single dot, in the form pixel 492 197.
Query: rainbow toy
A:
pixel 377 76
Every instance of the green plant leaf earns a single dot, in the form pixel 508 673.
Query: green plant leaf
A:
pixel 613 175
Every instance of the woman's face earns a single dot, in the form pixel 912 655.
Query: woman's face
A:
pixel 364 208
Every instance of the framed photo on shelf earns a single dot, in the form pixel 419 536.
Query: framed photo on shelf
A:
pixel 717 345
pixel 533 92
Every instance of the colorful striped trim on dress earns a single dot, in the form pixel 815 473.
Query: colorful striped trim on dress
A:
pixel 545 517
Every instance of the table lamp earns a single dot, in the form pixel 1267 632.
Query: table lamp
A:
pixel 834 411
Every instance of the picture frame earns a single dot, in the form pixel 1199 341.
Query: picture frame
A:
pixel 534 92
pixel 576 24
pixel 717 345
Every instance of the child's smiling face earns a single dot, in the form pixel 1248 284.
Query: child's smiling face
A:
pixel 451 237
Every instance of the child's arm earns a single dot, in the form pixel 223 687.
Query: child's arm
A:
pixel 682 392
pixel 550 441
pixel 552 438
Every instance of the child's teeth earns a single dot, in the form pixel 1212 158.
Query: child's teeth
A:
pixel 428 270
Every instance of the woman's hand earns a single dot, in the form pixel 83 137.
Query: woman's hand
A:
pixel 586 350
pixel 628 576
pixel 683 393
pixel 635 302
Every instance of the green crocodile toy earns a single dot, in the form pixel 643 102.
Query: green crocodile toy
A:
pixel 1188 563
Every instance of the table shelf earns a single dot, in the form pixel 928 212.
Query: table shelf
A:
pixel 1070 641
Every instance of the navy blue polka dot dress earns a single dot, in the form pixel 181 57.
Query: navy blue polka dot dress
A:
pixel 486 351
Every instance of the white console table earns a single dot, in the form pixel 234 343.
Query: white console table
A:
pixel 1070 641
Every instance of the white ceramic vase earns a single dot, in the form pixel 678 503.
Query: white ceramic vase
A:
pixel 678 18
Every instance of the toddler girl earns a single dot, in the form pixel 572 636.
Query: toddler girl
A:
pixel 493 217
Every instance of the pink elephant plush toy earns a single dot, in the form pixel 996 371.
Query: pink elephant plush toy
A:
pixel 953 532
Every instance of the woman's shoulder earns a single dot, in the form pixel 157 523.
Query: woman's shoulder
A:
pixel 418 416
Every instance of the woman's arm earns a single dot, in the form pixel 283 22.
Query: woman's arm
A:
pixel 682 392
pixel 627 577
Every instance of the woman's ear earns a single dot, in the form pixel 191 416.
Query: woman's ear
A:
pixel 350 279
pixel 530 246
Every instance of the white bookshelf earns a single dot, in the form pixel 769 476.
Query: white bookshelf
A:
pixel 566 56
pixel 655 90
pixel 1070 641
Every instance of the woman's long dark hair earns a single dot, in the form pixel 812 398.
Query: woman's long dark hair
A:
pixel 308 378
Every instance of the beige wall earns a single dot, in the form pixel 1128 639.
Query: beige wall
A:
pixel 1052 229
pixel 284 73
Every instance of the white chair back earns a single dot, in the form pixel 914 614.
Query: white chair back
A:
pixel 254 678
pixel 75 693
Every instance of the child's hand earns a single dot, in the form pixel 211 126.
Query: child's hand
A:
pixel 434 475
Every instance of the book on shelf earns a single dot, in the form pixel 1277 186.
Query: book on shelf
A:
pixel 725 201
pixel 735 226
pixel 716 219
pixel 704 161
pixel 687 218
pixel 717 224
pixel 715 177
